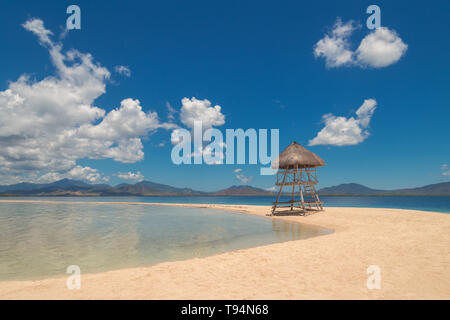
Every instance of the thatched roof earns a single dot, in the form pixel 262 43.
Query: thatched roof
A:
pixel 296 155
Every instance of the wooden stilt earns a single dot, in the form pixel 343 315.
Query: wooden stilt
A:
pixel 293 188
pixel 301 197
pixel 279 193
pixel 305 179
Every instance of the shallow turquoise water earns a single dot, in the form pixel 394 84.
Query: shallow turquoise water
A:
pixel 39 240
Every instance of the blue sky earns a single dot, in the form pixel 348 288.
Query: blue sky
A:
pixel 256 60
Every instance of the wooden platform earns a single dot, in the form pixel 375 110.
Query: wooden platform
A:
pixel 297 201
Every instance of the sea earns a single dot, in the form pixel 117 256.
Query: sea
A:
pixel 41 240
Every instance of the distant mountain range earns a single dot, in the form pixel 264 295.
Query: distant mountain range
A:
pixel 354 189
pixel 67 187
pixel 242 191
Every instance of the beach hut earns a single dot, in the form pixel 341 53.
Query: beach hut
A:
pixel 297 170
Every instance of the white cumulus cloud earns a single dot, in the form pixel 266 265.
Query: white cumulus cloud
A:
pixel 341 131
pixel 193 110
pixel 380 48
pixel 243 179
pixel 200 110
pixel 87 174
pixel 176 136
pixel 334 46
pixel 131 176
pixel 123 70
pixel 170 111
pixel 47 125
pixel 37 27
pixel 445 171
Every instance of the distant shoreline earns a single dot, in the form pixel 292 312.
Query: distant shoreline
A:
pixel 217 196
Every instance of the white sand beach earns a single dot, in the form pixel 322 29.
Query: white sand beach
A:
pixel 412 249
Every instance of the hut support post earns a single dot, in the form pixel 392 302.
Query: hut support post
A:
pixel 279 192
pixel 301 191
pixel 294 181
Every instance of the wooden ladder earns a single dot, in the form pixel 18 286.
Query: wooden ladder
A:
pixel 310 191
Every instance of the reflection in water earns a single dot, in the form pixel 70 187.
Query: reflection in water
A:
pixel 41 239
pixel 286 231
